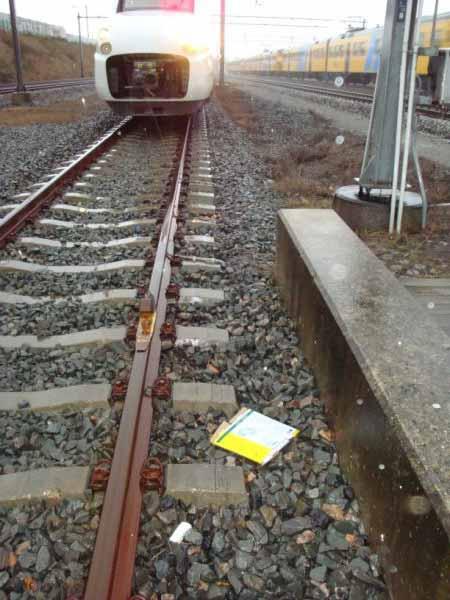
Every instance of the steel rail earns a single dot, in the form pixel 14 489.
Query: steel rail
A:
pixel 113 562
pixel 27 211
pixel 36 86
pixel 432 112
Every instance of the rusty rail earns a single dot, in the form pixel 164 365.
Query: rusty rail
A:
pixel 112 566
pixel 18 218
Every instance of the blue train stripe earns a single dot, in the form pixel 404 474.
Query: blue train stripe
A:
pixel 372 58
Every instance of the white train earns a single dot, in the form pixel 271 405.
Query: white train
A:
pixel 154 59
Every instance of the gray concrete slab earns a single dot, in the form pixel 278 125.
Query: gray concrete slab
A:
pixel 200 397
pixel 199 239
pixel 201 296
pixel 201 198
pixel 78 197
pixel 80 210
pixel 107 296
pixel 48 243
pixel 383 367
pixel 206 485
pixel 95 337
pixel 200 336
pixel 17 265
pixel 194 266
pixel 202 209
pixel 434 296
pixel 202 222
pixel 51 484
pixel 95 226
pixel 76 397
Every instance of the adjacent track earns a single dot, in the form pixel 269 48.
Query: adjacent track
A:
pixel 35 86
pixel 366 98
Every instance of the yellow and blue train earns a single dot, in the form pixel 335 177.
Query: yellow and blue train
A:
pixel 353 56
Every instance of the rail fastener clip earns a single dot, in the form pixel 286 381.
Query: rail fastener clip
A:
pixel 100 476
pixel 119 391
pixel 168 332
pixel 173 292
pixel 152 476
pixel 162 389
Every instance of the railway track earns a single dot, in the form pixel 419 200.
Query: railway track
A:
pixel 36 86
pixel 429 111
pixel 125 248
pixel 71 225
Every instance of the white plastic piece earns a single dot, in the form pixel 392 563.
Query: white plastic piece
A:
pixel 178 535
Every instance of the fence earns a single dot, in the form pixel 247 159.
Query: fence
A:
pixel 39 29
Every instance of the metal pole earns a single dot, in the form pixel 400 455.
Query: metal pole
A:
pixel 17 53
pixel 410 114
pixel 87 21
pixel 81 47
pixel 222 42
pixel 433 31
pixel 400 115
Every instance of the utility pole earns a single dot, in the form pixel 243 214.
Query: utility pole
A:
pixel 222 42
pixel 87 21
pixel 80 39
pixel 17 53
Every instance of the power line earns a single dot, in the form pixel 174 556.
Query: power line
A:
pixel 276 25
pixel 278 18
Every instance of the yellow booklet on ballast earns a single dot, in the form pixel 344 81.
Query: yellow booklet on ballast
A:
pixel 254 436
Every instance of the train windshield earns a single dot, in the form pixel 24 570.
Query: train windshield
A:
pixel 177 5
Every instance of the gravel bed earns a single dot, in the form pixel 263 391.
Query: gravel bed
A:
pixel 302 536
pixel 30 152
pixel 54 286
pixel 34 441
pixel 39 537
pixel 27 370
pixel 48 319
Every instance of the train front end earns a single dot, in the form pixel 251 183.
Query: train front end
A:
pixel 154 59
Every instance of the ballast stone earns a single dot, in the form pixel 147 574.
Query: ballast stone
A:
pixel 200 397
pixel 54 483
pixel 206 485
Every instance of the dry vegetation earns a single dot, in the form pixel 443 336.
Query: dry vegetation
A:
pixel 307 171
pixel 43 58
pixel 68 111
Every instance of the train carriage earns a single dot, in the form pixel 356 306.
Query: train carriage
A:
pixel 154 59
pixel 338 56
pixel 318 58
pixel 356 55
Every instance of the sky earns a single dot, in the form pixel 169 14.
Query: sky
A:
pixel 244 38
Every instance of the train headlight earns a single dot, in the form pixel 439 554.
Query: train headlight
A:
pixel 194 49
pixel 104 41
pixel 106 48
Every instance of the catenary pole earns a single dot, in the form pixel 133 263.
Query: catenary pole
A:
pixel 81 46
pixel 17 52
pixel 222 42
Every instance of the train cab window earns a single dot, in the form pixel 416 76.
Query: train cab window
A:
pixel 178 5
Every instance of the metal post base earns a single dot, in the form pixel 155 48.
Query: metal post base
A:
pixel 21 99
pixel 371 212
